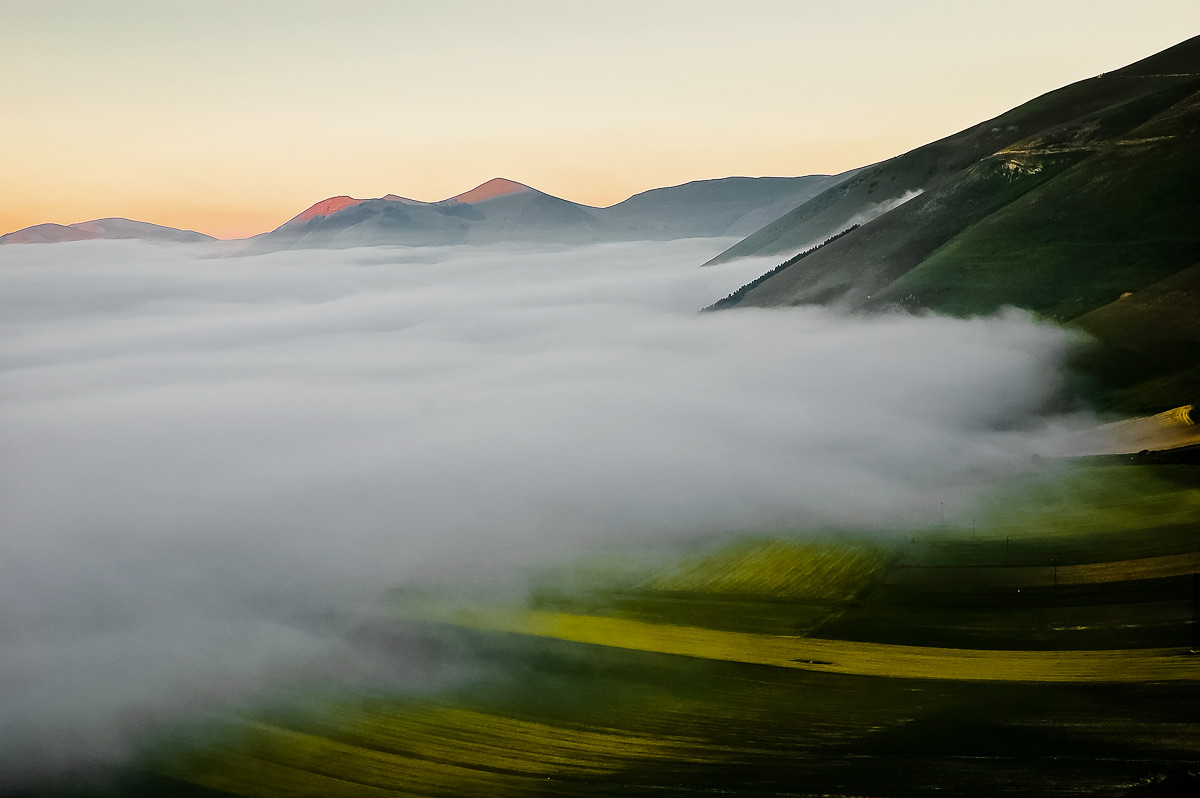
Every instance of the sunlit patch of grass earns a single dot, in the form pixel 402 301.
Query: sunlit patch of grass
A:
pixel 783 582
pixel 770 568
pixel 835 656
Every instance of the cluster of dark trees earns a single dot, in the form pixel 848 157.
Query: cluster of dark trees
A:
pixel 737 295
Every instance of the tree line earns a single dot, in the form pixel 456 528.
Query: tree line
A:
pixel 736 296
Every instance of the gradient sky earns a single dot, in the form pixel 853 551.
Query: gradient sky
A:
pixel 231 117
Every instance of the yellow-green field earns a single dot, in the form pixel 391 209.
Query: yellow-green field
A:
pixel 1042 648
pixel 788 569
pixel 834 656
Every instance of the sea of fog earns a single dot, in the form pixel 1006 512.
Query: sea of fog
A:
pixel 207 458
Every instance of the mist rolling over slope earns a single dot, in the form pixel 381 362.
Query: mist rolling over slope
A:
pixel 197 442
pixel 1065 206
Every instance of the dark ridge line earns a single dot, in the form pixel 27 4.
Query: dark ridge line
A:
pixel 733 299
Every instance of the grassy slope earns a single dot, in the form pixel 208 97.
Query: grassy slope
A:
pixel 1062 222
pixel 863 263
pixel 1147 345
pixel 1116 222
pixel 553 717
pixel 927 167
pixel 635 724
pixel 1083 182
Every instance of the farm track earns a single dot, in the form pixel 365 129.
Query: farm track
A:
pixel 829 656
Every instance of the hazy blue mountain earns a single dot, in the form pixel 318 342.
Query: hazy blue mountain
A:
pixel 503 210
pixel 112 227
pixel 706 208
pixel 498 210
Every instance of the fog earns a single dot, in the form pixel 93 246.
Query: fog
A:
pixel 879 209
pixel 210 460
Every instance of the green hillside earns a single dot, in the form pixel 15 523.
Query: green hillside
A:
pixel 1148 344
pixel 1121 219
pixel 927 167
pixel 1091 196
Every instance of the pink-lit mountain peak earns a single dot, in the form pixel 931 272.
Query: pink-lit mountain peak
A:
pixel 327 207
pixel 496 187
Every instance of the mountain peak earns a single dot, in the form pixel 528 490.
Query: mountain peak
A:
pixel 496 187
pixel 46 233
pixel 326 207
pixel 110 227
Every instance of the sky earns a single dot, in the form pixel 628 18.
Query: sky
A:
pixel 215 465
pixel 230 116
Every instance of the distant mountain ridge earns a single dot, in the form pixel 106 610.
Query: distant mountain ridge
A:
pixel 724 207
pixel 498 210
pixel 1080 205
pixel 108 228
pixel 503 210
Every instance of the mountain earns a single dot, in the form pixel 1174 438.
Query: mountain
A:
pixel 707 208
pixel 503 210
pixel 498 210
pixel 1061 206
pixel 512 211
pixel 496 187
pixel 110 228
pixel 877 189
pixel 348 222
pixel 1147 344
pixel 48 233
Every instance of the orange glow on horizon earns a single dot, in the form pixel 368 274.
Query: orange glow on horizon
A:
pixel 207 206
pixel 124 113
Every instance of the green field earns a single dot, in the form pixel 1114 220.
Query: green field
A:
pixel 1041 650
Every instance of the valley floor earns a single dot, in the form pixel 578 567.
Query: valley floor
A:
pixel 1048 649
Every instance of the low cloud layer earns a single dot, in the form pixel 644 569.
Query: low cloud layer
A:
pixel 879 209
pixel 204 454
